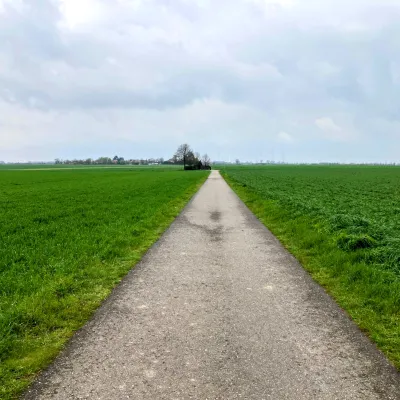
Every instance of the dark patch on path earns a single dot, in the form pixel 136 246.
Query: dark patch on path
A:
pixel 214 232
pixel 215 216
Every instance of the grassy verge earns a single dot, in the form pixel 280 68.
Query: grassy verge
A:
pixel 67 238
pixel 346 265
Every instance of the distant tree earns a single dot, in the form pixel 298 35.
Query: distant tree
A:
pixel 183 153
pixel 237 161
pixel 191 158
pixel 206 160
pixel 103 160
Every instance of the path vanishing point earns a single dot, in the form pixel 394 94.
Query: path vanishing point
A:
pixel 218 309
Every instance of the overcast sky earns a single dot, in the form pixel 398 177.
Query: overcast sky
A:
pixel 293 80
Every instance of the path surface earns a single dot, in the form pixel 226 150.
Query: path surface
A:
pixel 219 310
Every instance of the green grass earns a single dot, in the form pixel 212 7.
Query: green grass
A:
pixel 67 238
pixel 342 223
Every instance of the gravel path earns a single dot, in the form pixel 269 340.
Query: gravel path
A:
pixel 217 309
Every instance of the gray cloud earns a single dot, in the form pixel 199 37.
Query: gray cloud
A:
pixel 252 73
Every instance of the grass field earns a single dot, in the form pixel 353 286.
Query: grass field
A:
pixel 343 224
pixel 66 238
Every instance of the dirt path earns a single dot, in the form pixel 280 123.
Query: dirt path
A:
pixel 219 310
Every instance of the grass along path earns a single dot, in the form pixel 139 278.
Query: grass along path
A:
pixel 342 224
pixel 67 238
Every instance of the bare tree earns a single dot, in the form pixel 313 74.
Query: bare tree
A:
pixel 183 153
pixel 206 160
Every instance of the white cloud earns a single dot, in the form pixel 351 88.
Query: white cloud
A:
pixel 327 125
pixel 334 132
pixel 76 14
pixel 285 137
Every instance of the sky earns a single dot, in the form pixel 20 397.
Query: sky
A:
pixel 282 80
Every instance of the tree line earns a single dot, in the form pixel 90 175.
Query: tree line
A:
pixel 115 160
pixel 184 155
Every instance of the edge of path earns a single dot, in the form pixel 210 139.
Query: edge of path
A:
pixel 77 336
pixel 312 266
